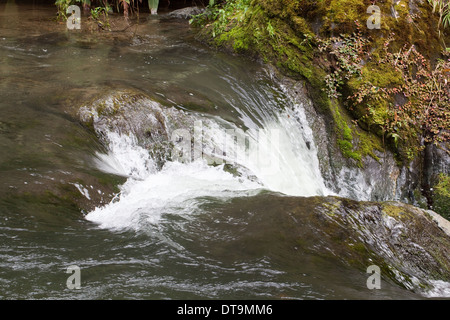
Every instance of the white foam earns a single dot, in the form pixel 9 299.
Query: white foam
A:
pixel 125 157
pixel 176 189
pixel 441 289
pixel 281 154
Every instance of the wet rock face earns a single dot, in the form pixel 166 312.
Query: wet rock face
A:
pixel 438 162
pixel 405 237
pixel 441 159
pixel 126 112
pixel 405 242
pixel 376 180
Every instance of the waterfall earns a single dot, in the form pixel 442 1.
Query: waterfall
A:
pixel 216 159
pixel 213 161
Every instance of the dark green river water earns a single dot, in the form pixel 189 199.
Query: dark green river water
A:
pixel 233 248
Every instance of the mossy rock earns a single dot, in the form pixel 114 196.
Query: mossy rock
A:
pixel 285 34
pixel 441 198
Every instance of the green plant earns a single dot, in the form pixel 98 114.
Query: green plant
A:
pixel 62 6
pixel 347 53
pixel 222 15
pixel 442 7
pixel 95 13
pixel 270 29
pixel 442 196
pixel 99 12
pixel 153 5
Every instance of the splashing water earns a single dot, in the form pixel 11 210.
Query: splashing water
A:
pixel 275 157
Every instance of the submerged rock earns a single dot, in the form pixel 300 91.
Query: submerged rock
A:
pixel 132 113
pixel 165 132
pixel 186 13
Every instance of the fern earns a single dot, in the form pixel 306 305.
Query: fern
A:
pixel 446 18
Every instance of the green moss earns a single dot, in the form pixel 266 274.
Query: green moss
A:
pixel 368 143
pixel 347 150
pixel 441 197
pixel 396 211
pixel 359 248
pixel 341 15
pixel 331 207
pixel 373 111
pixel 316 89
pixel 377 74
pixel 345 137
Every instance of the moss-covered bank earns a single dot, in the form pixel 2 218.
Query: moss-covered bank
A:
pixel 379 88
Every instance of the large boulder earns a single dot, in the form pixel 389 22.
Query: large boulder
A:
pixel 411 246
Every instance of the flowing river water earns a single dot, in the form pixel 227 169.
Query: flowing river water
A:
pixel 186 231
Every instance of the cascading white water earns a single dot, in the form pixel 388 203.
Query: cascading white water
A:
pixel 276 152
pixel 273 157
pixel 176 189
pixel 125 157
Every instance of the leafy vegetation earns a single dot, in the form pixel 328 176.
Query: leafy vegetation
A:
pixel 96 11
pixel 347 52
pixel 442 196
pixel 99 8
